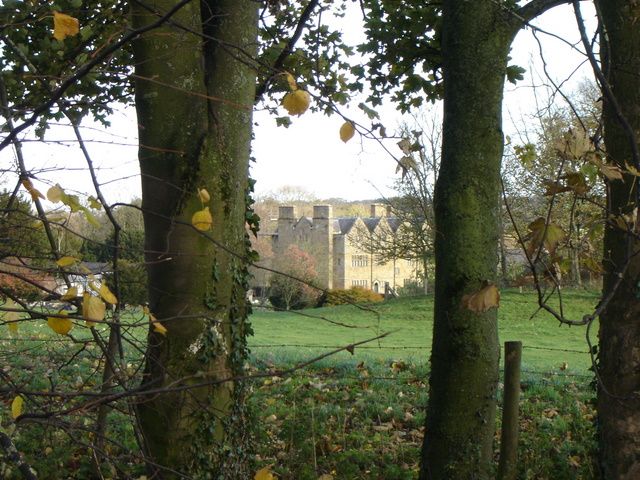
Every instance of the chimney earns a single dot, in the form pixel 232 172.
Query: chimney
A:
pixel 378 210
pixel 323 242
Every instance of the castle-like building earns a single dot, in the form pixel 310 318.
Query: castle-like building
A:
pixel 345 249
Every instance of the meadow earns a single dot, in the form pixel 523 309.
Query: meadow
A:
pixel 352 415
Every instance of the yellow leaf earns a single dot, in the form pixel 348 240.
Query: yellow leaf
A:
pixel 293 86
pixel 72 201
pixel 64 26
pixel 296 102
pixel 16 406
pixel 264 474
pixel 66 261
pixel 204 196
pixel 11 317
pixel 157 326
pixel 482 300
pixel 55 193
pixel 33 191
pixel 202 219
pixel 91 218
pixel 347 131
pixel 60 325
pixel 539 232
pixel 325 476
pixel 70 294
pixel 93 309
pixel 94 203
pixel 107 295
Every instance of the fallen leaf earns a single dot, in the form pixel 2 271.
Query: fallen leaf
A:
pixel 484 299
pixel 264 474
pixel 64 26
pixel 16 406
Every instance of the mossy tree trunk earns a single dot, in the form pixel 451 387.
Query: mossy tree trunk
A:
pixel 460 425
pixel 194 99
pixel 619 356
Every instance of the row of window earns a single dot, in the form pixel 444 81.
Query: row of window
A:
pixel 359 260
pixel 359 283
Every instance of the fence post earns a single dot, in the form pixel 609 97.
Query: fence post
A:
pixel 507 467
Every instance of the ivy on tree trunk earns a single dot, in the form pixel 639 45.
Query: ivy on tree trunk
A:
pixel 194 97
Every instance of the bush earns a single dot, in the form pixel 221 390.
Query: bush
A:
pixel 352 295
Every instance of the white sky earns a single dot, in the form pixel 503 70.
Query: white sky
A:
pixel 309 153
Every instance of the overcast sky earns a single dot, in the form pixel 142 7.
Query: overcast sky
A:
pixel 309 154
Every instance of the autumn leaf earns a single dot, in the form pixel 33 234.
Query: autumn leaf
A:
pixel 66 261
pixel 203 195
pixel 91 218
pixel 296 102
pixel 64 26
pixel 611 172
pixel 70 294
pixel 157 326
pixel 93 309
pixel 541 233
pixel 484 299
pixel 293 86
pixel 11 317
pixel 405 146
pixel 576 182
pixel 264 474
pixel 202 219
pixel 347 131
pixel 107 295
pixel 33 191
pixel 60 325
pixel 55 194
pixel 16 406
pixel 94 203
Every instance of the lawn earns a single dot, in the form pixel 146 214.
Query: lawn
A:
pixel 350 416
pixel 547 344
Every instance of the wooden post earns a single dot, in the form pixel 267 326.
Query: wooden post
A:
pixel 507 467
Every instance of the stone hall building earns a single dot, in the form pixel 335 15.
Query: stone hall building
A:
pixel 344 248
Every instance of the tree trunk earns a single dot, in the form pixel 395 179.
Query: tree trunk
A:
pixel 619 360
pixel 464 361
pixel 194 99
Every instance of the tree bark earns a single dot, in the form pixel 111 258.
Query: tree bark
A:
pixel 619 356
pixel 194 99
pixel 464 361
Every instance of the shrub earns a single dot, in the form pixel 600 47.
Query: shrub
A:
pixel 132 277
pixel 352 295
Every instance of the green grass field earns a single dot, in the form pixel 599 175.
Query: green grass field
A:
pixel 353 417
pixel 547 344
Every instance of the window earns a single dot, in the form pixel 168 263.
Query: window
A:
pixel 359 260
pixel 397 270
pixel 359 283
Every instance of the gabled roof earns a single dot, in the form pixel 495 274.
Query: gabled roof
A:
pixel 346 223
